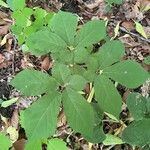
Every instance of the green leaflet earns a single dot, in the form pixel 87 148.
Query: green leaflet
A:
pixel 111 52
pixel 40 119
pixel 91 33
pixel 77 82
pixel 34 145
pixel 63 56
pixel 5 143
pixel 43 42
pixel 81 55
pixel 22 17
pixel 61 72
pixel 107 96
pixel 32 82
pixel 137 133
pixel 64 24
pixel 76 110
pixel 138 106
pixel 56 144
pixel 112 140
pixel 16 4
pixel 128 73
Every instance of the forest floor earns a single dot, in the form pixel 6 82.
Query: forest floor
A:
pixel 120 26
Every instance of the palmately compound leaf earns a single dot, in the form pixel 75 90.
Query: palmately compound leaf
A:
pixel 137 133
pixel 61 72
pixel 128 73
pixel 44 41
pixel 34 145
pixel 56 144
pixel 5 143
pixel 91 33
pixel 32 82
pixel 111 52
pixel 40 119
pixel 81 116
pixel 107 96
pixel 64 24
pixel 138 106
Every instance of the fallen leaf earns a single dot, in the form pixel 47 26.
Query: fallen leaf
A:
pixel 4 30
pixel 139 28
pixel 5 38
pixel 128 41
pixel 2 58
pixel 128 25
pixel 46 64
pixel 61 119
pixel 20 144
pixel 144 5
pixel 15 119
pixel 147 31
pixel 9 102
pixel 116 30
pixel 13 133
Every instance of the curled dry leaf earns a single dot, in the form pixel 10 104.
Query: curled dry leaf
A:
pixel 15 119
pixel 19 145
pixel 46 64
pixel 61 119
pixel 144 5
pixel 128 25
pixel 4 40
pixel 95 4
pixel 146 88
pixel 4 30
pixel 2 58
pixel 128 41
pixel 9 44
pixel 147 31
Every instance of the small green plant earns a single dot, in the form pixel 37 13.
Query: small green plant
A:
pixel 75 66
pixel 138 133
pixel 27 20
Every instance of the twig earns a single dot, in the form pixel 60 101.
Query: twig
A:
pixel 131 33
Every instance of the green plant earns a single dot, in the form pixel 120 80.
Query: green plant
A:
pixel 27 20
pixel 75 66
pixel 137 133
